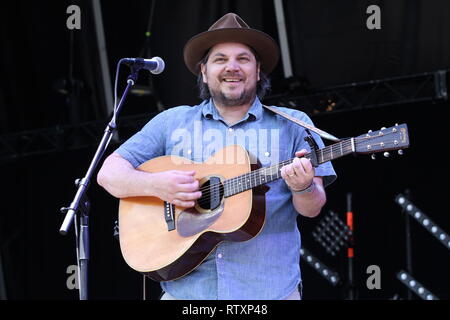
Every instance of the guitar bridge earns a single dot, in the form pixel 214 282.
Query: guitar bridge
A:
pixel 169 215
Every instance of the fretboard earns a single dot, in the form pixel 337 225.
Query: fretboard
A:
pixel 267 174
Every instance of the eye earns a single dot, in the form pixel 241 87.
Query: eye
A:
pixel 219 59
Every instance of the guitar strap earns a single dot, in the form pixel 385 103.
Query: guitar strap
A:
pixel 321 133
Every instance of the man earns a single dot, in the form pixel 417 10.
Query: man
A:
pixel 231 61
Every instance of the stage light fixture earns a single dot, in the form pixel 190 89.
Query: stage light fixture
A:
pixel 422 219
pixel 326 272
pixel 332 233
pixel 415 286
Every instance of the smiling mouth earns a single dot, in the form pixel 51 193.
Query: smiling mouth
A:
pixel 232 80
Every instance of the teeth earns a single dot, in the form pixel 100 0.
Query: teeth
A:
pixel 232 80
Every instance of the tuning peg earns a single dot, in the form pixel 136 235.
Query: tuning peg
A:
pixel 382 128
pixel 386 154
pixel 373 156
pixel 400 152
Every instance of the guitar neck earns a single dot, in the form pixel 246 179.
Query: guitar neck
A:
pixel 267 174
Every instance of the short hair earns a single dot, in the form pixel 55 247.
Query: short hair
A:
pixel 262 88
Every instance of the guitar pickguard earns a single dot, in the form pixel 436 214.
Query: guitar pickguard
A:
pixel 191 222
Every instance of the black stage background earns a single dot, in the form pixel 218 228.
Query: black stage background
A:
pixel 330 45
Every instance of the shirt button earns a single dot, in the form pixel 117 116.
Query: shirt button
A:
pixel 219 256
pixel 189 151
pixel 230 129
pixel 267 153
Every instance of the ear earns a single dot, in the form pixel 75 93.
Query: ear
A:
pixel 258 70
pixel 203 71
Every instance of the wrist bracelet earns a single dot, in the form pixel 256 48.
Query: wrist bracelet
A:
pixel 307 190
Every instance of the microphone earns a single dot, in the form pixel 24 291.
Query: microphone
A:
pixel 155 65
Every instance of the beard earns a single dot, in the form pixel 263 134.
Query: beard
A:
pixel 231 100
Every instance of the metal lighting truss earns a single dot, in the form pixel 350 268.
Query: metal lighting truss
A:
pixel 430 86
pixel 66 137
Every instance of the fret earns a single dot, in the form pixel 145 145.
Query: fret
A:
pixel 272 173
pixel 324 154
pixel 233 186
pixel 277 171
pixel 269 174
pixel 227 186
pixel 238 184
pixel 262 176
pixel 248 183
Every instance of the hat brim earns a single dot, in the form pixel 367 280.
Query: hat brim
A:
pixel 263 44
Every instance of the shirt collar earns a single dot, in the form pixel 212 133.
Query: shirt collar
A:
pixel 210 111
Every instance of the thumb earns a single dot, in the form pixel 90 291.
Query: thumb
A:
pixel 189 173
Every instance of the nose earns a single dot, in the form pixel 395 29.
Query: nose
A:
pixel 232 65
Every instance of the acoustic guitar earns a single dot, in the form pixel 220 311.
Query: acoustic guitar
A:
pixel 166 242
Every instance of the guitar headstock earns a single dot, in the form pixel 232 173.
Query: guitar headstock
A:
pixel 386 139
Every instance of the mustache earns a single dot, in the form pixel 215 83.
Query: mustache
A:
pixel 232 74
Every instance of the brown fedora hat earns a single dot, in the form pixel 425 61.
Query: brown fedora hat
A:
pixel 231 28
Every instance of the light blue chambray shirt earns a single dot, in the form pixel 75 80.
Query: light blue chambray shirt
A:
pixel 266 267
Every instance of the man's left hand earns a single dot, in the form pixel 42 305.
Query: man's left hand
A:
pixel 300 173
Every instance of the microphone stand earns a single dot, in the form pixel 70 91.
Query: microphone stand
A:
pixel 80 203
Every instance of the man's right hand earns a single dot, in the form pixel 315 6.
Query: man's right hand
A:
pixel 122 180
pixel 177 187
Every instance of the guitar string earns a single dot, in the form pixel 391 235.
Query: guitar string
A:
pixel 235 184
pixel 254 175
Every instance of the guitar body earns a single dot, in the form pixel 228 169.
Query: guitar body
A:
pixel 149 247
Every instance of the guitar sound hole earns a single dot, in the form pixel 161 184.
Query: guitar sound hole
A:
pixel 212 194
